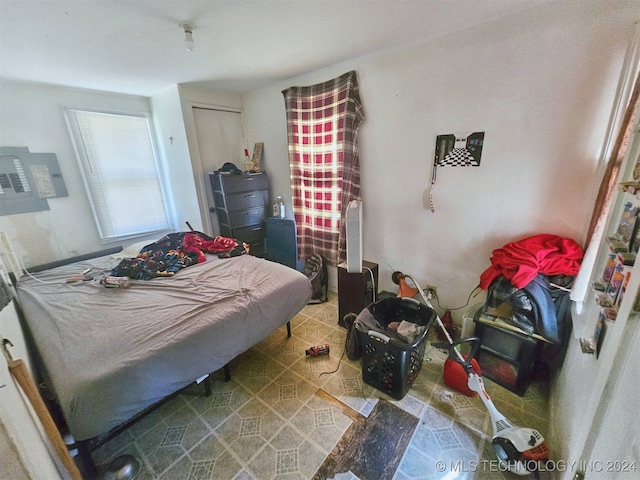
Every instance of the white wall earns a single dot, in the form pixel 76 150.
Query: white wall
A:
pixel 172 140
pixel 32 116
pixel 541 84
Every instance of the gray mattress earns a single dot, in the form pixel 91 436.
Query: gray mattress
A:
pixel 109 353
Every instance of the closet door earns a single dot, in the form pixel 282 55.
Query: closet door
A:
pixel 220 139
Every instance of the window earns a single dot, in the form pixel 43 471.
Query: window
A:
pixel 120 170
pixel 322 126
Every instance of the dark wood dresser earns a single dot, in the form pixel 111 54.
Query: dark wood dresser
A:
pixel 241 204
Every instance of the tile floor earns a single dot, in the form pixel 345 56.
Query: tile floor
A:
pixel 268 422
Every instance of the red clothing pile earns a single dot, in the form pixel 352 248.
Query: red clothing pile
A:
pixel 194 242
pixel 521 261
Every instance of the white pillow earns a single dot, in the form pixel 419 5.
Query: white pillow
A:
pixel 132 250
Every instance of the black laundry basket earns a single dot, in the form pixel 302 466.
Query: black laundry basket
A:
pixel 388 363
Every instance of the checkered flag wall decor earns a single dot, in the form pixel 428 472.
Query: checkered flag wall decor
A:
pixel 459 149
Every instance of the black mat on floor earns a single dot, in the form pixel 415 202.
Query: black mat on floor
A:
pixel 371 449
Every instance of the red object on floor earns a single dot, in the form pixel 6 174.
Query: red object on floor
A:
pixel 447 321
pixel 455 376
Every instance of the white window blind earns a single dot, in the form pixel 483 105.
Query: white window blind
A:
pixel 116 155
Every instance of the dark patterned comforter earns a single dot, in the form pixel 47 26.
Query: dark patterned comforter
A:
pixel 174 252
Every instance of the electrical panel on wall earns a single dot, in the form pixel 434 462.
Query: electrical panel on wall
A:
pixel 27 180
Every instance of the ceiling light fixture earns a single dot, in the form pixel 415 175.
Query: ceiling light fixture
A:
pixel 188 27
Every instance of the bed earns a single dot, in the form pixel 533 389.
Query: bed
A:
pixel 110 353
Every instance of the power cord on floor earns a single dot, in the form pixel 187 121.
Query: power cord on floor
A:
pixel 344 350
pixel 363 395
pixel 338 367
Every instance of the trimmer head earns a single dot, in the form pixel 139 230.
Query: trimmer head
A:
pixel 519 449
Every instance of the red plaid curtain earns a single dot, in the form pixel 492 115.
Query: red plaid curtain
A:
pixel 322 129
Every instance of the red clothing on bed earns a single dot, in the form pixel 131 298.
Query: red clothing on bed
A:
pixel 194 242
pixel 521 261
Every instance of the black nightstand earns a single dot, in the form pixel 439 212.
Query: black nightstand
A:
pixel 356 290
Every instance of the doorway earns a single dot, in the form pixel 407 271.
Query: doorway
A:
pixel 220 139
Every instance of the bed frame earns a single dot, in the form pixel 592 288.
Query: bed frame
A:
pixel 30 305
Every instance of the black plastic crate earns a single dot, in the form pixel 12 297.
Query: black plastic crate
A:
pixel 388 363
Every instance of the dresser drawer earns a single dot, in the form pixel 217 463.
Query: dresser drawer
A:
pixel 238 183
pixel 250 234
pixel 242 218
pixel 241 201
pixel 254 235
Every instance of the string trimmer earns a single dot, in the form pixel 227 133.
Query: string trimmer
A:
pixel 518 449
